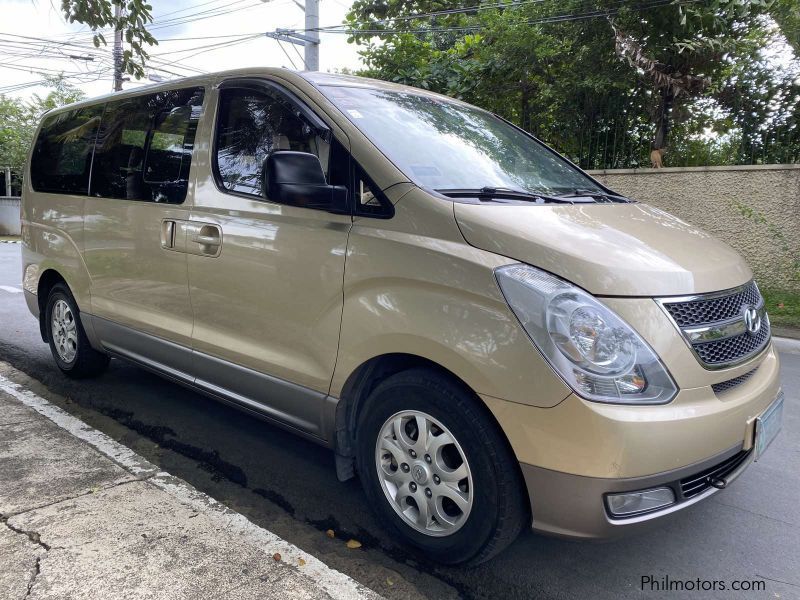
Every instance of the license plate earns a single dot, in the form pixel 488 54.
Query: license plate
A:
pixel 768 425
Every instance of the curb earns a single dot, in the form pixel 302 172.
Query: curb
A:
pixel 334 583
pixel 787 345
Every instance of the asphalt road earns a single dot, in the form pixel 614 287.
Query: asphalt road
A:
pixel 748 532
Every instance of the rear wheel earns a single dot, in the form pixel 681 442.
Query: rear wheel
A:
pixel 68 342
pixel 437 469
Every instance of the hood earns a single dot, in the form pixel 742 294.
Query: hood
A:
pixel 607 249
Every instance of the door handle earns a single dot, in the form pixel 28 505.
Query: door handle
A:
pixel 206 240
pixel 207 236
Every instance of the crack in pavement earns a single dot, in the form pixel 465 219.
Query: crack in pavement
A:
pixel 18 423
pixel 31 535
pixel 756 514
pixel 35 538
pixel 778 581
pixel 37 569
pixel 103 488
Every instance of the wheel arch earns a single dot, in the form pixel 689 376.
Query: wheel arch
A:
pixel 47 280
pixel 357 388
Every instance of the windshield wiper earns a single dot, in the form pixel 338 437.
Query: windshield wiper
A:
pixel 487 193
pixel 594 194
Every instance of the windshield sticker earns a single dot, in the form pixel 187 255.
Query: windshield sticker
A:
pixel 355 114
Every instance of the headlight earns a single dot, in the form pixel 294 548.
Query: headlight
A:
pixel 599 355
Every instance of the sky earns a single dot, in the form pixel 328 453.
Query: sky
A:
pixel 34 38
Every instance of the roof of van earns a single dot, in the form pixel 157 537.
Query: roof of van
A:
pixel 315 78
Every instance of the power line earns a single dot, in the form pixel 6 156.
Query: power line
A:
pixel 216 47
pixel 216 12
pixel 289 58
pixel 19 48
pixel 448 12
pixel 300 56
pixel 216 44
pixel 188 8
pixel 184 19
pixel 343 29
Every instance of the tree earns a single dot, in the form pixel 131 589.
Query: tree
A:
pixel 13 132
pixel 603 87
pixel 680 50
pixel 19 119
pixel 787 15
pixel 135 16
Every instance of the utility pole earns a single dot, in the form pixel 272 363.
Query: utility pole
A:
pixel 312 30
pixel 309 39
pixel 117 48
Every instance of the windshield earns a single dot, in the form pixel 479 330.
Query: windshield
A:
pixel 447 145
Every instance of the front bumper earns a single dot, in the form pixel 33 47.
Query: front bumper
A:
pixel 573 506
pixel 573 454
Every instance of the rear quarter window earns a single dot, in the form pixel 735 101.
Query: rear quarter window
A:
pixel 62 155
pixel 144 147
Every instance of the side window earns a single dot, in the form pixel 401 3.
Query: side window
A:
pixel 117 168
pixel 62 156
pixel 339 165
pixel 250 125
pixel 144 146
pixel 370 201
pixel 169 154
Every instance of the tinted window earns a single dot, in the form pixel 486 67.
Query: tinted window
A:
pixel 252 124
pixel 338 165
pixel 144 146
pixel 62 156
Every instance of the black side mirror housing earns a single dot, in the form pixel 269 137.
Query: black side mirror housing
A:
pixel 297 178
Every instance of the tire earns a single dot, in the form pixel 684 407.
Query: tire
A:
pixel 492 508
pixel 68 342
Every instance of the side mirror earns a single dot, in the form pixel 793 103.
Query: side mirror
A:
pixel 297 178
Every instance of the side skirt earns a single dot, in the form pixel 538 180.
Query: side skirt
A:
pixel 288 405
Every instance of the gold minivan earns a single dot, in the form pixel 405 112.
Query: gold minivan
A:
pixel 489 337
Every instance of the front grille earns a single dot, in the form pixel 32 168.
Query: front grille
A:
pixel 724 386
pixel 734 348
pixel 700 482
pixel 721 310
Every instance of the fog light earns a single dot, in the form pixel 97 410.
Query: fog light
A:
pixel 630 503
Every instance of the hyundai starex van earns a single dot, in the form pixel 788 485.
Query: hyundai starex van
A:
pixel 489 338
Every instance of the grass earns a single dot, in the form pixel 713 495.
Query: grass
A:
pixel 783 308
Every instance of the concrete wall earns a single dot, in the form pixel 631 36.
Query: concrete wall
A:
pixel 755 209
pixel 9 215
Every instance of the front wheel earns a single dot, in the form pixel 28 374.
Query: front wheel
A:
pixel 437 470
pixel 68 342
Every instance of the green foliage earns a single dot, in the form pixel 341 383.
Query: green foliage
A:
pixel 13 140
pixel 787 14
pixel 19 119
pixel 99 14
pixel 604 91
pixel 783 308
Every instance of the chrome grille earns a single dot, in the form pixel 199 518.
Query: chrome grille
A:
pixel 724 386
pixel 716 325
pixel 709 310
pixel 733 348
